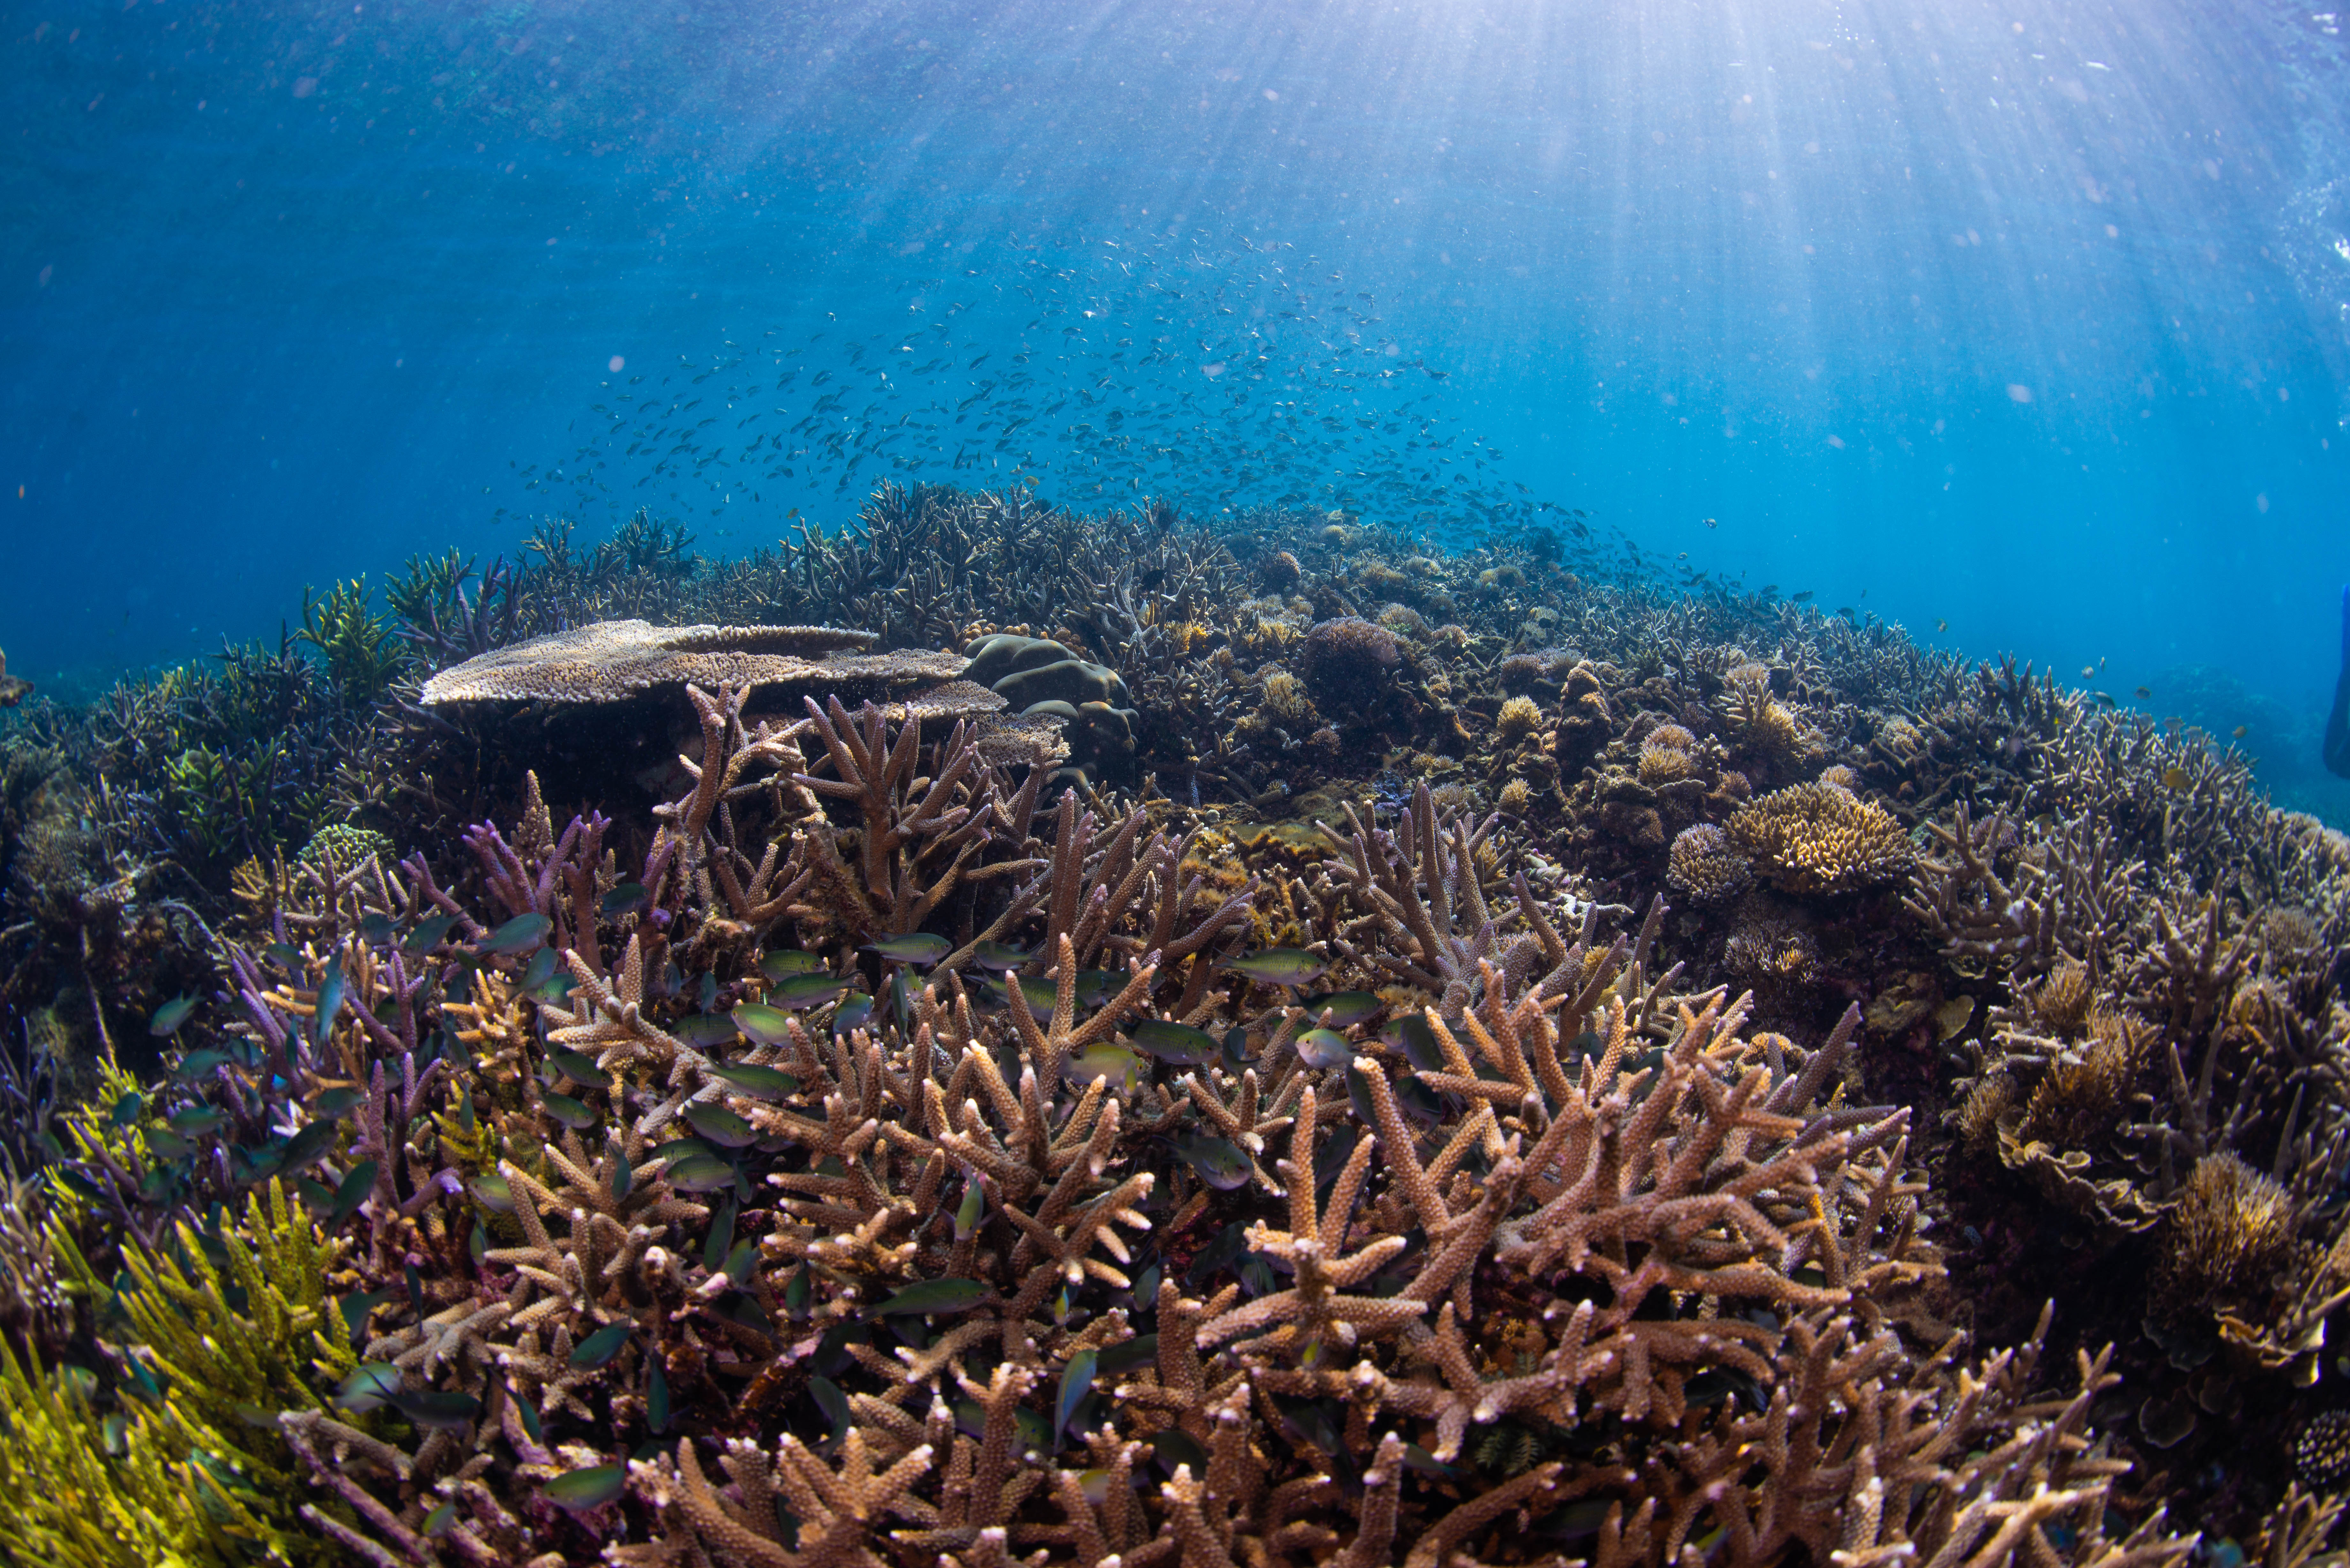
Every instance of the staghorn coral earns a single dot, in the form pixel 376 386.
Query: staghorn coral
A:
pixel 1818 838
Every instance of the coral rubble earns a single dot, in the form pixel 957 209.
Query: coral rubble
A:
pixel 1272 1043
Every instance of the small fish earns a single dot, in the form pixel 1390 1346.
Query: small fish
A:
pixel 601 1346
pixel 762 1024
pixel 541 969
pixel 169 1016
pixel 967 1212
pixel 1942 625
pixel 760 1083
pixel 1076 1382
pixel 1031 1430
pixel 656 1396
pixel 919 948
pixel 949 1295
pixel 1803 598
pixel 518 935
pixel 1176 1042
pixel 375 926
pixel 370 1386
pixel 997 955
pixel 2173 778
pixel 705 1030
pixel 1221 1163
pixel 622 900
pixel 700 1173
pixel 580 1490
pixel 2144 694
pixel 330 1001
pixel 720 1125
pixel 832 1402
pixel 807 991
pixel 1040 994
pixel 1122 1066
pixel 2240 730
pixel 1417 1041
pixel 1095 986
pixel 1173 1447
pixel 1127 1355
pixel 1325 1048
pixel 447 1412
pixel 428 934
pixel 197 1120
pixel 284 957
pixel 495 1193
pixel 581 1070
pixel 1343 1009
pixel 786 962
pixel 855 1012
pixel 571 1113
pixel 334 1104
pixel 1281 966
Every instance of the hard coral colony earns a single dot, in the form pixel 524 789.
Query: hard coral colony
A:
pixel 1073 1070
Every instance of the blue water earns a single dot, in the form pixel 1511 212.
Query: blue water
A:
pixel 2022 325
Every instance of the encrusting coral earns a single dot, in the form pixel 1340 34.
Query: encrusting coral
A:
pixel 806 1119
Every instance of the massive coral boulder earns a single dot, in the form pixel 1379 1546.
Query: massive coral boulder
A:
pixel 1026 670
pixel 11 689
pixel 1044 678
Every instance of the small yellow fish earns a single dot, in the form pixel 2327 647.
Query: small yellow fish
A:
pixel 2087 670
pixel 2174 777
pixel 1941 625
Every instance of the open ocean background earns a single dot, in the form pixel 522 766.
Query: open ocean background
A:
pixel 2029 322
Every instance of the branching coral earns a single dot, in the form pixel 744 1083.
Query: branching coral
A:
pixel 886 1151
pixel 1819 838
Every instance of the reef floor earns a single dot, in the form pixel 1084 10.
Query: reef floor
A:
pixel 1006 1035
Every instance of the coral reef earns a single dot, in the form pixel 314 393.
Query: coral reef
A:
pixel 512 1080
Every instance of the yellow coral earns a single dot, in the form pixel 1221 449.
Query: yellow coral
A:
pixel 1285 699
pixel 1516 796
pixel 1817 838
pixel 2231 1237
pixel 1520 717
pixel 1664 764
pixel 72 1502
